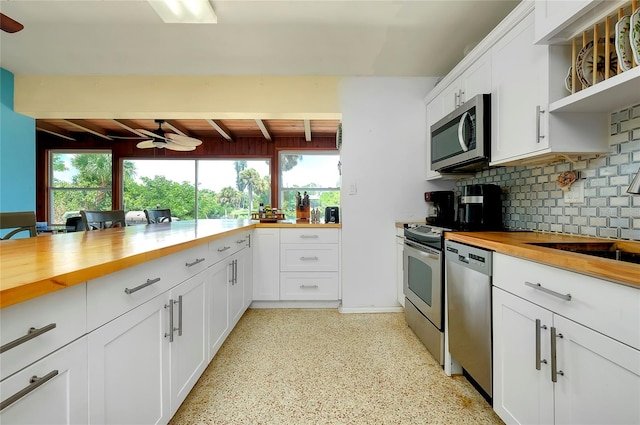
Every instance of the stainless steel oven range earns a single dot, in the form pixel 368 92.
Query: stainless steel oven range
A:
pixel 423 269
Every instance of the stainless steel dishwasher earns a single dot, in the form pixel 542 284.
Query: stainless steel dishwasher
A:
pixel 468 286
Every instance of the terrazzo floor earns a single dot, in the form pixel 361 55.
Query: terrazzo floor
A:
pixel 307 366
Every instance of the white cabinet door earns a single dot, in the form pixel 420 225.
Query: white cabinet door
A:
pixel 434 113
pixel 519 88
pixel 246 276
pixel 450 98
pixel 476 79
pixel 237 264
pixel 189 353
pixel 218 311
pixel 129 367
pixel 59 396
pixel 521 393
pixel 399 266
pixel 601 377
pixel 266 264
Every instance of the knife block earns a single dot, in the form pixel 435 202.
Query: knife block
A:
pixel 302 213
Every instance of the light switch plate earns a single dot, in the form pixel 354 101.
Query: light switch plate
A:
pixel 575 195
pixel 353 189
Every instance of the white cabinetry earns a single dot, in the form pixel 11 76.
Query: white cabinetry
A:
pixel 552 15
pixel 218 312
pixel 266 264
pixel 525 79
pixel 590 339
pixel 309 264
pixel 400 265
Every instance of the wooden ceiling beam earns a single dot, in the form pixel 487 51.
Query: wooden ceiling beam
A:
pixel 222 129
pixel 129 126
pixel 307 130
pixel 263 128
pixel 53 129
pixel 177 128
pixel 89 128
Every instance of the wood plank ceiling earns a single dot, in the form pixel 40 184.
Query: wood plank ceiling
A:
pixel 227 129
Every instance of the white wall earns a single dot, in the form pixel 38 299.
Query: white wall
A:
pixel 383 151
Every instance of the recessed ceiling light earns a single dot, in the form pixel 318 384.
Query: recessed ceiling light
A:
pixel 185 11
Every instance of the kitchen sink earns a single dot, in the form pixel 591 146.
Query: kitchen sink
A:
pixel 611 250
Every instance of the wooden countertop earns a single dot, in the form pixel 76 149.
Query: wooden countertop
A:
pixel 32 267
pixel 517 244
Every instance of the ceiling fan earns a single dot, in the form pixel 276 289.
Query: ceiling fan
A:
pixel 9 25
pixel 161 140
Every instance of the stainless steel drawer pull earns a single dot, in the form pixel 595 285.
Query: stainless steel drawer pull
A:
pixel 31 333
pixel 566 297
pixel 34 383
pixel 539 327
pixel 171 328
pixel 309 236
pixel 309 258
pixel 554 362
pixel 224 248
pixel 538 113
pixel 198 261
pixel 144 285
pixel 241 241
pixel 308 286
pixel 179 329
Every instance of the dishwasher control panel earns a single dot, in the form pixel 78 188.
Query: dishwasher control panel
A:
pixel 475 258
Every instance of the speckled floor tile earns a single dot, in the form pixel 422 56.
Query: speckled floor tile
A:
pixel 307 366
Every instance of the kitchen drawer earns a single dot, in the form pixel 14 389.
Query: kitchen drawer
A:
pixel 223 248
pixel 610 308
pixel 114 294
pixel 66 309
pixel 309 286
pixel 309 235
pixel 309 257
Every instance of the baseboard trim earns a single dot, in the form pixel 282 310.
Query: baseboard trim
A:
pixel 349 310
pixel 295 304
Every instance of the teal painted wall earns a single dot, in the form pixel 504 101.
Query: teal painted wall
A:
pixel 17 152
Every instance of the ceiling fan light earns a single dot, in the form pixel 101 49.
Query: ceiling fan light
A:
pixel 159 143
pixel 185 11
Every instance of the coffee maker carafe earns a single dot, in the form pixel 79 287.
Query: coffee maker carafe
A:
pixel 480 207
pixel 440 208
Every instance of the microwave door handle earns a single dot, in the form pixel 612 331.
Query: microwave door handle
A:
pixel 461 140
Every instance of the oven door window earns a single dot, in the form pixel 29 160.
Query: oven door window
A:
pixel 420 279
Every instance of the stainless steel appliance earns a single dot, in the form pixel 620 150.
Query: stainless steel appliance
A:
pixel 461 141
pixel 468 280
pixel 481 207
pixel 424 286
pixel 331 215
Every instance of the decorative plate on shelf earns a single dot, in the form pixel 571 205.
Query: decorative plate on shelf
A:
pixel 635 35
pixel 585 62
pixel 568 83
pixel 623 43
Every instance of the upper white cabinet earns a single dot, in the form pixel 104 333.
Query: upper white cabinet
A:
pixel 525 77
pixel 553 15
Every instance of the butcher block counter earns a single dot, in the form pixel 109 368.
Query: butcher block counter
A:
pixel 519 244
pixel 36 266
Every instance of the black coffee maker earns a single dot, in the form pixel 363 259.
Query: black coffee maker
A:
pixel 480 207
pixel 440 208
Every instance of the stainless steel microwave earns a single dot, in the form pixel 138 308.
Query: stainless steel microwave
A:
pixel 461 141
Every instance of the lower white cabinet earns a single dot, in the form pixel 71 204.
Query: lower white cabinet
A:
pixel 266 264
pixel 549 368
pixel 50 391
pixel 218 288
pixel 400 265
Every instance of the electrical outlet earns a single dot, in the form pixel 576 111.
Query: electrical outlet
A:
pixel 353 189
pixel 575 195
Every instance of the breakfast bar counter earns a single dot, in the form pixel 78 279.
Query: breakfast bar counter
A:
pixel 523 245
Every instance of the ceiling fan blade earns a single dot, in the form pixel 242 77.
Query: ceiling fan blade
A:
pixel 183 140
pixel 146 144
pixel 177 147
pixel 150 133
pixel 9 25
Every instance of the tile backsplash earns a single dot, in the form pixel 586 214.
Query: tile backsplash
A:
pixel 532 199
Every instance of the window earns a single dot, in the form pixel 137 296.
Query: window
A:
pixel 78 181
pixel 316 173
pixel 215 188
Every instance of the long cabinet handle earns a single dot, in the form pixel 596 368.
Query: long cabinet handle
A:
pixel 309 236
pixel 241 241
pixel 179 328
pixel 539 112
pixel 539 327
pixel 554 362
pixel 308 286
pixel 171 329
pixel 34 383
pixel 224 248
pixel 198 261
pixel 31 333
pixel 232 278
pixel 149 282
pixel 235 271
pixel 309 258
pixel 566 297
